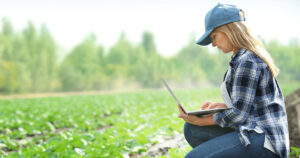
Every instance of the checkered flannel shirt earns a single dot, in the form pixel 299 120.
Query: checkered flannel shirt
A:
pixel 257 101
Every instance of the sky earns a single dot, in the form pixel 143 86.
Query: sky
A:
pixel 172 22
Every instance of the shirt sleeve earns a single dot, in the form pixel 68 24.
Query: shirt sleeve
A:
pixel 245 83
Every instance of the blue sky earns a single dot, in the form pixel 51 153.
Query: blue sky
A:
pixel 171 21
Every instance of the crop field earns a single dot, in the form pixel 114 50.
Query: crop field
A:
pixel 108 125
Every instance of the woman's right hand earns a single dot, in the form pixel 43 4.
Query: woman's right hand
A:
pixel 210 105
pixel 205 105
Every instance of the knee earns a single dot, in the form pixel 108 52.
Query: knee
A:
pixel 188 134
pixel 196 135
pixel 187 129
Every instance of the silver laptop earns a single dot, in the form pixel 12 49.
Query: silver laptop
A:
pixel 196 112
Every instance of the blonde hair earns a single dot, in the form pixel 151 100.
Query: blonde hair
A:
pixel 240 36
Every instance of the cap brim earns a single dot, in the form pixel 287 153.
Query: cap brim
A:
pixel 205 39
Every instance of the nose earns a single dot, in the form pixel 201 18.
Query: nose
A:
pixel 213 44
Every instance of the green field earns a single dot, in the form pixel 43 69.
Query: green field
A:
pixel 110 125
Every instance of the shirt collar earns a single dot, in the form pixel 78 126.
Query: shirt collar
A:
pixel 235 58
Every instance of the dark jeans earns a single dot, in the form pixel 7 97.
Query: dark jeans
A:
pixel 218 142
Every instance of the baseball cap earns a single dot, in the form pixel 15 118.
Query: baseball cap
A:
pixel 219 15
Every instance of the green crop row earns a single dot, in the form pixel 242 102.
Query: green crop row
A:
pixel 112 125
pixel 93 126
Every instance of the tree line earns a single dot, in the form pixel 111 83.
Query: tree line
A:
pixel 29 63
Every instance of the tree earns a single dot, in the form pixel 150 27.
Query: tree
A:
pixel 8 67
pixel 40 50
pixel 80 68
pixel 7 29
pixel 148 43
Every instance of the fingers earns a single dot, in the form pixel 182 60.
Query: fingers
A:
pixel 221 105
pixel 216 105
pixel 181 113
pixel 212 106
pixel 205 105
pixel 183 116
pixel 180 109
pixel 209 105
pixel 192 119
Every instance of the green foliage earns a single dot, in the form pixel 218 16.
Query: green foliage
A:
pixel 29 63
pixel 148 43
pixel 295 152
pixel 81 67
pixel 287 59
pixel 93 126
pixel 179 152
pixel 198 64
pixel 7 28
pixel 289 87
pixel 96 126
pixel 8 76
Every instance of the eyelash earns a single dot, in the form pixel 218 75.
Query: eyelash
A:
pixel 213 37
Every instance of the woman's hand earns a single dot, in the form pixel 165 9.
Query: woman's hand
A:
pixel 192 119
pixel 205 105
pixel 211 105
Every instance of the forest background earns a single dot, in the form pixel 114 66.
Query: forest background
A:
pixel 30 63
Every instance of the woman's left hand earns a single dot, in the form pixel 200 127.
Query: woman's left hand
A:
pixel 192 119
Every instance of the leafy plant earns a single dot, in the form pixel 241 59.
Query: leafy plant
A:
pixel 295 152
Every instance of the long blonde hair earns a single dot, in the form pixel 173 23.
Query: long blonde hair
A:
pixel 240 37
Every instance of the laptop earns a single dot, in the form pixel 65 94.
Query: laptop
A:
pixel 196 112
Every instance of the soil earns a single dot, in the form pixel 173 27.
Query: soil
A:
pixel 162 148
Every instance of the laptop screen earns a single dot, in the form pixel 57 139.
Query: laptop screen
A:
pixel 178 102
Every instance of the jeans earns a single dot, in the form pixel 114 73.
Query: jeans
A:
pixel 218 142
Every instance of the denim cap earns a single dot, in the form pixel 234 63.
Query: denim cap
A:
pixel 219 15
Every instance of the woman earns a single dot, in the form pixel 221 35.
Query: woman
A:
pixel 256 125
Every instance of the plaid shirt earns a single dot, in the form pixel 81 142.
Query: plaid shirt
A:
pixel 257 101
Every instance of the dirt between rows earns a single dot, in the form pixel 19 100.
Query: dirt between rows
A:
pixel 163 147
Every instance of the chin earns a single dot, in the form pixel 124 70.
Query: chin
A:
pixel 226 51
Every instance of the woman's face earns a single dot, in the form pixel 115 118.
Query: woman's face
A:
pixel 221 40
